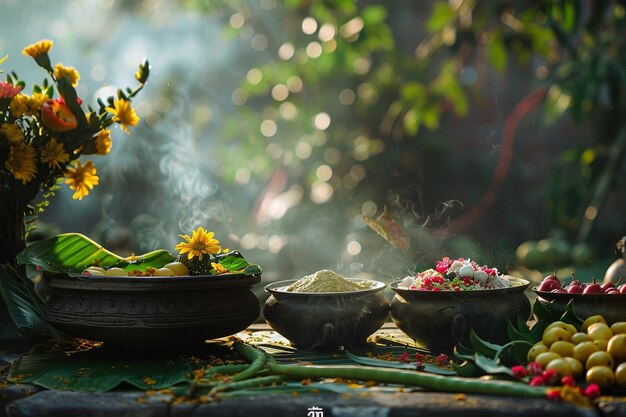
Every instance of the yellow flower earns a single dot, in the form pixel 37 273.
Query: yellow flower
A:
pixel 22 104
pixel 19 105
pixel 103 142
pixel 53 154
pixel 200 243
pixel 219 268
pixel 35 103
pixel 123 114
pixel 12 132
pixel 21 162
pixel 81 179
pixel 38 48
pixel 68 72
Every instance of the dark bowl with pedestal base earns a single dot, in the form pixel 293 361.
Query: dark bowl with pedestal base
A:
pixel 325 320
pixel 440 320
pixel 151 313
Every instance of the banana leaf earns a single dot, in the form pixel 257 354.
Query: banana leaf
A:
pixel 74 252
pixel 21 310
pixel 235 262
pixel 94 371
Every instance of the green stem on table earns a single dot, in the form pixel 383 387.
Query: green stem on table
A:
pixel 205 379
pixel 405 377
pixel 256 357
pixel 248 383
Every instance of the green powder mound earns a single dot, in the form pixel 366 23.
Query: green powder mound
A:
pixel 327 281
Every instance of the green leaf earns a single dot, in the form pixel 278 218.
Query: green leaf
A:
pixel 441 16
pixel 519 332
pixel 235 262
pixel 497 53
pixel 514 353
pixel 482 346
pixel 97 371
pixel 74 252
pixel 463 353
pixel 252 269
pixel 468 369
pixel 364 360
pixel 570 316
pixel 544 311
pixel 538 329
pixel 21 310
pixel 373 15
pixel 491 366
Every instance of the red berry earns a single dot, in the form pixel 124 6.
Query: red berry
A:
pixel 554 395
pixel 550 376
pixel 404 358
pixel 518 371
pixel 537 381
pixel 442 359
pixel 534 368
pixel 568 380
pixel 592 391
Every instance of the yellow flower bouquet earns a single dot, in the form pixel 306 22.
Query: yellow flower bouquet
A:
pixel 43 137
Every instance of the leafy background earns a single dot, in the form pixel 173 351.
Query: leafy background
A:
pixel 279 124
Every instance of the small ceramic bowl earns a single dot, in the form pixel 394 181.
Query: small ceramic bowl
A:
pixel 610 306
pixel 325 320
pixel 151 313
pixel 440 320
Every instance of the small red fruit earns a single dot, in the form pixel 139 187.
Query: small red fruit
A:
pixel 575 289
pixel 574 281
pixel 593 288
pixel 549 283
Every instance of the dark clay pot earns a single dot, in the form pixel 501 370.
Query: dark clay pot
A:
pixel 440 320
pixel 151 313
pixel 325 320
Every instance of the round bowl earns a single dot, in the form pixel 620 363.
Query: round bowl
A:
pixel 325 320
pixel 439 320
pixel 150 313
pixel 610 306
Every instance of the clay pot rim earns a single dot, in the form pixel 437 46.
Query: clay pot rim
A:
pixel 277 288
pixel 521 286
pixel 150 283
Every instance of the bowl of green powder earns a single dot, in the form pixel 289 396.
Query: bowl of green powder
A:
pixel 325 310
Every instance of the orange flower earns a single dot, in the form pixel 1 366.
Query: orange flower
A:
pixel 56 116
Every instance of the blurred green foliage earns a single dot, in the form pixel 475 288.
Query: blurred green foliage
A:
pixel 381 74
